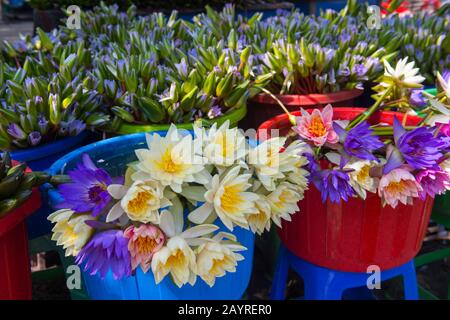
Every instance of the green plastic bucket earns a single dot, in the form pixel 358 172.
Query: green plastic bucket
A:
pixel 234 116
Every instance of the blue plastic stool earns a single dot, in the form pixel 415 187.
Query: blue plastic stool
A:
pixel 326 284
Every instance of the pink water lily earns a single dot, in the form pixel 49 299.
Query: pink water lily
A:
pixel 144 242
pixel 317 126
pixel 399 185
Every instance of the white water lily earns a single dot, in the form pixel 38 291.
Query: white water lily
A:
pixel 260 219
pixel 70 230
pixel 171 160
pixel 228 199
pixel 360 178
pixel 445 84
pixel 223 146
pixel 299 177
pixel 404 74
pixel 271 162
pixel 292 163
pixel 445 165
pixel 216 257
pixel 283 202
pixel 143 200
pixel 266 159
pixel 177 256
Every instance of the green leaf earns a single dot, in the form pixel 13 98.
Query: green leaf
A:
pixel 46 42
pixel 97 120
pixel 187 103
pixel 224 86
pixel 152 109
pixel 54 104
pixel 123 114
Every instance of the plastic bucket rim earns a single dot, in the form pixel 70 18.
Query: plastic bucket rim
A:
pixel 235 116
pixel 320 98
pixel 53 147
pixel 283 118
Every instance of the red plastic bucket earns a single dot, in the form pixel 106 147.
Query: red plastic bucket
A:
pixel 350 236
pixel 15 273
pixel 263 107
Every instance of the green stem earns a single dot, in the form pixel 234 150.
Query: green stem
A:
pixel 427 117
pixel 290 115
pixel 366 114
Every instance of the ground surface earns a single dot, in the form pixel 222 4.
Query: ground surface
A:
pixel 10 30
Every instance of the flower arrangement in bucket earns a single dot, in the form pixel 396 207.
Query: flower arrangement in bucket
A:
pixel 400 162
pixel 177 208
pixel 383 165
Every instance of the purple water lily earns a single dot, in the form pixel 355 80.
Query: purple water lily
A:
pixel 417 99
pixel 34 138
pixel 88 190
pixel 419 148
pixel 344 71
pixel 360 70
pixel 214 112
pixel 106 251
pixel 446 73
pixel 16 132
pixel 333 184
pixel 433 182
pixel 359 142
pixel 444 135
pixel 74 127
pixel 42 124
pixel 182 68
pixel 312 166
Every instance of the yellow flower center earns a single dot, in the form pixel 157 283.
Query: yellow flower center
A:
pixel 167 164
pixel 69 233
pixel 146 245
pixel 396 187
pixel 317 128
pixel 176 260
pixel 218 266
pixel 272 157
pixel 140 202
pixel 227 147
pixel 231 198
pixel 258 218
pixel 363 174
pixel 283 198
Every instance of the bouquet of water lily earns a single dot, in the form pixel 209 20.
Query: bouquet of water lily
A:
pixel 174 210
pixel 399 162
pixel 350 159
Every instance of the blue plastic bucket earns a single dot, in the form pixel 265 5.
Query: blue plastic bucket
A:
pixel 113 155
pixel 39 159
pixel 142 286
